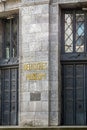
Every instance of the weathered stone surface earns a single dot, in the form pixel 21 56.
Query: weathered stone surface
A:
pixel 25 87
pixel 36 9
pixel 41 115
pixel 35 48
pixel 53 60
pixel 34 119
pixel 54 37
pixel 9 6
pixel 41 18
pixel 34 2
pixel 35 106
pixel 54 8
pixel 40 32
pixel 53 76
pixel 71 2
pixel 24 106
pixel 54 106
pixel 54 95
pixel 35 86
pixel 25 96
pixel 65 1
pixel 53 46
pixel 45 85
pixel 44 106
pixel 54 27
pixel 44 96
pixel 25 116
pixel 54 118
pixel 53 85
pixel 42 56
pixel 30 56
pixel 44 45
pixel 41 122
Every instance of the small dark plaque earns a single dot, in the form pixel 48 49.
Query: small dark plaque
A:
pixel 35 96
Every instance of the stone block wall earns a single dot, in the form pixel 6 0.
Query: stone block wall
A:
pixel 53 65
pixel 41 42
pixel 34 94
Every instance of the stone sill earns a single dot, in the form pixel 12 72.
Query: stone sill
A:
pixel 46 128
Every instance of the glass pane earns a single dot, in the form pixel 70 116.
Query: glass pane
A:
pixel 68 33
pixel 14 37
pixel 7 39
pixel 79 32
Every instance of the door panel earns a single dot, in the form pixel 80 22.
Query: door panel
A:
pixel 68 113
pixel 74 87
pixel 68 94
pixel 9 99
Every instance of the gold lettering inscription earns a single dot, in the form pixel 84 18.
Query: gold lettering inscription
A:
pixel 35 66
pixel 36 76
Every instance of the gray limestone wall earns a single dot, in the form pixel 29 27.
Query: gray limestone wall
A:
pixel 53 65
pixel 41 42
pixel 34 65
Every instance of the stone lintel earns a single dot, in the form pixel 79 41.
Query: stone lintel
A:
pixel 34 2
pixel 9 6
pixel 71 2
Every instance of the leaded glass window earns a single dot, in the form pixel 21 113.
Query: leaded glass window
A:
pixel 74 32
pixel 11 33
pixel 68 33
pixel 79 32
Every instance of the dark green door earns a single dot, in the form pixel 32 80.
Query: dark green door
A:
pixel 75 86
pixel 9 96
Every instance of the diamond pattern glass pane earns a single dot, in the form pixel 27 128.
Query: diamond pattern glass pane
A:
pixel 68 33
pixel 79 32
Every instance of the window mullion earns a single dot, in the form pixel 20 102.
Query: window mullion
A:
pixel 17 36
pixel 85 40
pixel 74 31
pixel 10 38
pixel 4 42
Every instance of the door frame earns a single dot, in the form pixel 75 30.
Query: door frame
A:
pixel 79 58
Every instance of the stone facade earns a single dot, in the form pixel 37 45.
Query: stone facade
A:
pixel 39 45
pixel 34 49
